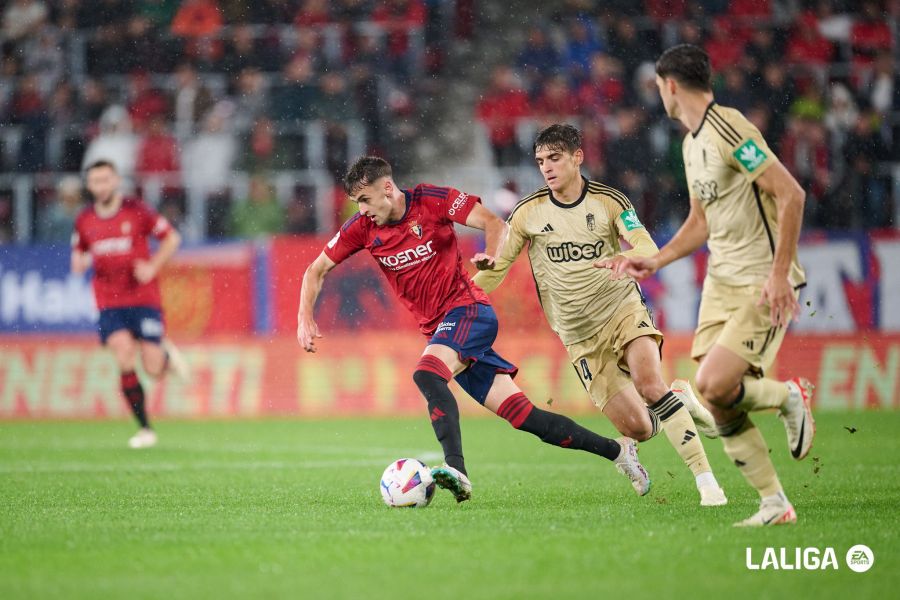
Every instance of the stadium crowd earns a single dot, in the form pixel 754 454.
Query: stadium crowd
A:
pixel 817 77
pixel 188 91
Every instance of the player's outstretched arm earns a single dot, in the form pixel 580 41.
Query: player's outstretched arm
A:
pixel 495 230
pixel 789 199
pixel 642 246
pixel 690 236
pixel 146 270
pixel 313 278
pixel 509 250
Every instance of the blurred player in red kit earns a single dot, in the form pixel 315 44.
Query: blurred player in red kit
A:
pixel 113 235
pixel 410 233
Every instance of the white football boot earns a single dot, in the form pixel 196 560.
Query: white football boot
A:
pixel 144 438
pixel 774 510
pixel 797 417
pixel 712 495
pixel 177 363
pixel 627 464
pixel 454 481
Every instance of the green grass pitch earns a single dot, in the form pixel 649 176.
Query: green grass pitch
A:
pixel 291 509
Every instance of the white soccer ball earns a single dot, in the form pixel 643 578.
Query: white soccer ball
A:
pixel 407 482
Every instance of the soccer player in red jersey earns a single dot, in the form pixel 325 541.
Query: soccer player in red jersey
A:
pixel 410 234
pixel 113 234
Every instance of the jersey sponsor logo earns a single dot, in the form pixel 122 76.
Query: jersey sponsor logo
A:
pixel 116 245
pixel 445 326
pixel 459 203
pixel 572 252
pixel 409 257
pixel 589 221
pixel 333 240
pixel 547 228
pixel 750 155
pixel 630 218
pixel 706 191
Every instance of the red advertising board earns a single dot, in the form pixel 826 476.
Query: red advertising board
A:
pixel 356 295
pixel 209 290
pixel 370 374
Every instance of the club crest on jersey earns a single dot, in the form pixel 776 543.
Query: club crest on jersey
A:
pixel 416 230
pixel 590 221
pixel 126 227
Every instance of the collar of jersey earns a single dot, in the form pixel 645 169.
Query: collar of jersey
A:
pixel 703 120
pixel 108 217
pixel 584 191
pixel 408 197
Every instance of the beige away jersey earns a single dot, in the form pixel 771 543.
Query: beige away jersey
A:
pixel 564 241
pixel 722 160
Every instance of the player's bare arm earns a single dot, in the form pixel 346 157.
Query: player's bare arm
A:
pixel 789 199
pixel 690 236
pixel 495 233
pixel 80 262
pixel 147 270
pixel 313 278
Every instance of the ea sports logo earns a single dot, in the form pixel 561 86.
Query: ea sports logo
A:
pixel 860 558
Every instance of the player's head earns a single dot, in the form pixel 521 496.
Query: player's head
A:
pixel 682 70
pixel 369 182
pixel 557 150
pixel 102 180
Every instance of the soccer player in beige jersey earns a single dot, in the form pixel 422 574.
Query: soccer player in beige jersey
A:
pixel 571 227
pixel 748 209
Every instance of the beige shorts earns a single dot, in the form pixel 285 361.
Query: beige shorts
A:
pixel 600 359
pixel 730 317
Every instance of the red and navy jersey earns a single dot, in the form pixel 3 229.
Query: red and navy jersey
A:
pixel 418 254
pixel 115 243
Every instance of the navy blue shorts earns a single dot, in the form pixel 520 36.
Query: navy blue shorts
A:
pixel 471 331
pixel 144 322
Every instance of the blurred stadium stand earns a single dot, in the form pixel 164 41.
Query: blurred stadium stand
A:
pixel 197 98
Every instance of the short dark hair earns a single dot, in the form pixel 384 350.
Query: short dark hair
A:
pixel 98 164
pixel 365 171
pixel 687 64
pixel 561 137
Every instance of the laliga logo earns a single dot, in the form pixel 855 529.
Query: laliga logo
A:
pixel 860 559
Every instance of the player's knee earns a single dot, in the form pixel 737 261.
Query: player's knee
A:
pixel 431 371
pixel 154 370
pixel 428 382
pixel 650 387
pixel 714 390
pixel 639 429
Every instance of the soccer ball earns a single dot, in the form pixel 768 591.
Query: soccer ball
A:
pixel 407 482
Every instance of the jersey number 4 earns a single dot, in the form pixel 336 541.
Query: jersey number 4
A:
pixel 585 371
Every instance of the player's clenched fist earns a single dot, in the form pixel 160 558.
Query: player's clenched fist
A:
pixel 307 332
pixel 144 271
pixel 483 262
